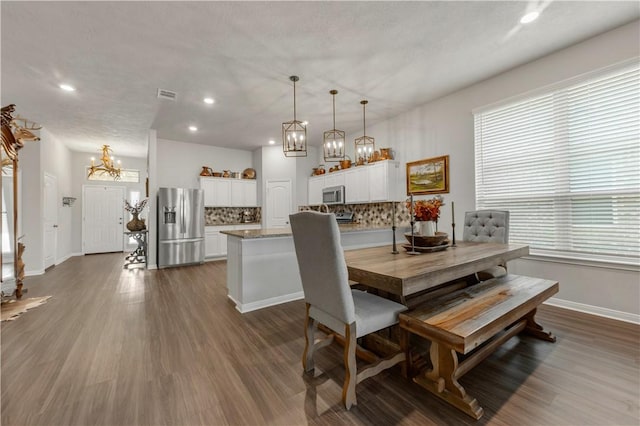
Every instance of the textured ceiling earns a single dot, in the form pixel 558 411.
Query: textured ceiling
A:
pixel 395 54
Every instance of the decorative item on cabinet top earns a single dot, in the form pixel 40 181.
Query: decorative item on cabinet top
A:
pixel 249 173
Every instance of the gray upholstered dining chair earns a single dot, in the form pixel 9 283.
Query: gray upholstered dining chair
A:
pixel 331 302
pixel 487 226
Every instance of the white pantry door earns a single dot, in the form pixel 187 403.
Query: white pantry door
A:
pixel 278 203
pixel 103 209
pixel 50 219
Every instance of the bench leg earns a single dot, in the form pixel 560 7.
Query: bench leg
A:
pixel 441 380
pixel 535 329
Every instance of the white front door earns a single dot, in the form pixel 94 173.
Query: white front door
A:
pixel 278 203
pixel 50 208
pixel 103 208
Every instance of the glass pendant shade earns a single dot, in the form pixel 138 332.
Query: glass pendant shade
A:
pixel 294 133
pixel 333 140
pixel 364 145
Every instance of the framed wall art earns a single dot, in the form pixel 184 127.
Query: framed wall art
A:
pixel 429 176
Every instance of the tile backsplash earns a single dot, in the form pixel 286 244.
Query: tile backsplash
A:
pixel 230 215
pixel 371 214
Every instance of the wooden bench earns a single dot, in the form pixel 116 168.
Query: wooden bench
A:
pixel 475 319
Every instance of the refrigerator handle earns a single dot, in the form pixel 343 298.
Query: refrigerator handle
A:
pixel 182 225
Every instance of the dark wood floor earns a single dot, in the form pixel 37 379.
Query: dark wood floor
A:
pixel 119 347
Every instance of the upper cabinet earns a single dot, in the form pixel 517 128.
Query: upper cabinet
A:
pixel 385 183
pixel 316 183
pixel 372 183
pixel 225 192
pixel 244 193
pixel 356 185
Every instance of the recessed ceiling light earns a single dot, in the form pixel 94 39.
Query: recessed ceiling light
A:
pixel 208 101
pixel 67 87
pixel 272 142
pixel 305 123
pixel 529 17
pixel 193 128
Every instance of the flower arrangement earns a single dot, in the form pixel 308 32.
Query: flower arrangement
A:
pixel 136 208
pixel 426 209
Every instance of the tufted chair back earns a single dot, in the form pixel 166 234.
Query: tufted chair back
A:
pixel 487 226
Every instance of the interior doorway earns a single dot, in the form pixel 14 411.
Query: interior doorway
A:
pixel 278 203
pixel 102 219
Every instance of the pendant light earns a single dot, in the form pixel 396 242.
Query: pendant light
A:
pixel 294 133
pixel 365 145
pixel 333 140
pixel 107 166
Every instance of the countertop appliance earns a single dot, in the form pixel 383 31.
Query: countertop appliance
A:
pixel 247 217
pixel 333 195
pixel 180 226
pixel 344 217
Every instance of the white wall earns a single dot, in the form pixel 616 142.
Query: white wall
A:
pixel 445 126
pixel 179 163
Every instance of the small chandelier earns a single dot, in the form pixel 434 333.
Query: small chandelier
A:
pixel 333 140
pixel 365 145
pixel 107 165
pixel 294 133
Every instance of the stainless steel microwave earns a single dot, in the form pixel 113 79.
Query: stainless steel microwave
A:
pixel 333 195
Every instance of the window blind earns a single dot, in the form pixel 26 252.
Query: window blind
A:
pixel 566 164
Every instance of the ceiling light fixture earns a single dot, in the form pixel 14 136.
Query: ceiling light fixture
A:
pixel 67 88
pixel 294 133
pixel 333 140
pixel 208 101
pixel 529 17
pixel 365 145
pixel 272 142
pixel 193 128
pixel 107 166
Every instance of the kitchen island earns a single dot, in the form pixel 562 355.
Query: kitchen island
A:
pixel 262 269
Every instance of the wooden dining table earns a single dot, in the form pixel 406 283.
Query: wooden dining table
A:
pixel 404 275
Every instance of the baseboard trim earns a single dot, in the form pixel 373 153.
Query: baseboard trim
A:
pixel 594 310
pixel 154 266
pixel 260 304
pixel 34 272
pixel 62 259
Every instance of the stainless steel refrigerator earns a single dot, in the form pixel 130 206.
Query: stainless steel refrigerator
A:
pixel 180 226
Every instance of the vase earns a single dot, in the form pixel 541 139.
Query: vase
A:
pixel 428 228
pixel 136 224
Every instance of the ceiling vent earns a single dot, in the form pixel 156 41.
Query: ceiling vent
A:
pixel 167 94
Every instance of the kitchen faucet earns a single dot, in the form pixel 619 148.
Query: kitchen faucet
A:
pixel 324 207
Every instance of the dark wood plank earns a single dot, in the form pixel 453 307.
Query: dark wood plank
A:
pixel 120 347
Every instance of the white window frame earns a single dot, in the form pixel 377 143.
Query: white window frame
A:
pixel 556 241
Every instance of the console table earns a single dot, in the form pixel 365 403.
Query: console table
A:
pixel 139 255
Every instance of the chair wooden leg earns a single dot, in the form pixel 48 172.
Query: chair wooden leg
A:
pixel 350 380
pixel 309 336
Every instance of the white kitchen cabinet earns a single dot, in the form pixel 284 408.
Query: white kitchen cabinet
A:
pixel 215 242
pixel 334 179
pixel 384 181
pixel 371 183
pixel 316 183
pixel 244 193
pixel 225 192
pixel 356 184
